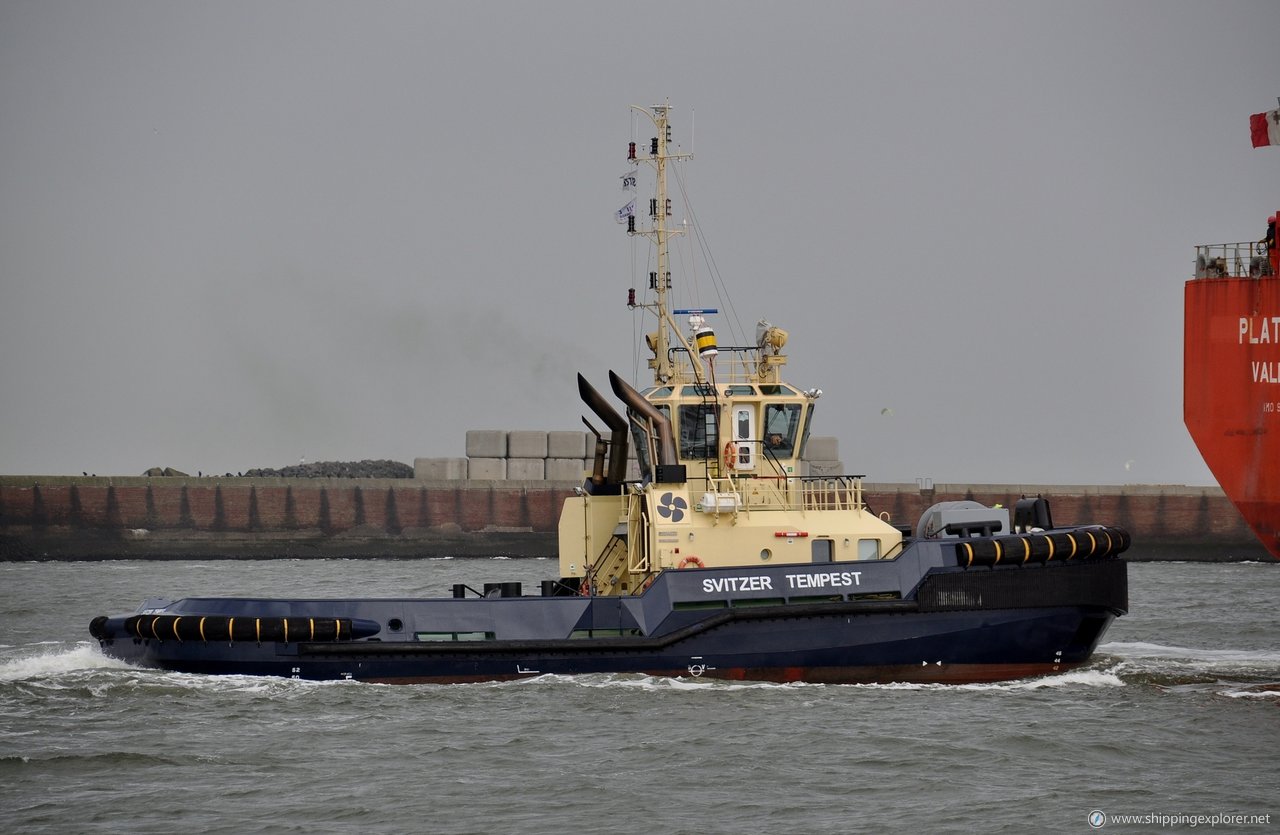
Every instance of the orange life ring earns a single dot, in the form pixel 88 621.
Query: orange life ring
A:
pixel 691 560
pixel 730 455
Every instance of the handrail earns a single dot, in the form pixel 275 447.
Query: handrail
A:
pixel 744 366
pixel 1243 259
pixel 839 492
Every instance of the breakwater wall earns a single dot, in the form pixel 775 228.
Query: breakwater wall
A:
pixel 76 518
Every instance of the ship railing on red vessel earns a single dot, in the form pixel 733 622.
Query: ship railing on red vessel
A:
pixel 1247 259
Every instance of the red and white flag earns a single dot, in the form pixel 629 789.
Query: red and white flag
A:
pixel 1265 128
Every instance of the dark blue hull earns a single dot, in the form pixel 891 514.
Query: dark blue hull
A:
pixel 830 648
pixel 954 625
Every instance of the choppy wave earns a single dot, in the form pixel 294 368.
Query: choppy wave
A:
pixel 637 681
pixel 1262 691
pixel 1245 674
pixel 1233 673
pixel 1143 650
pixel 44 663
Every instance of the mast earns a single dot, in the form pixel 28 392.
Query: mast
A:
pixel 660 282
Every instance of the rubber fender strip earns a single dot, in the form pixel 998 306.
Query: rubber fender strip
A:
pixel 175 629
pixel 203 639
pixel 1073 547
pixel 1026 549
pixel 312 621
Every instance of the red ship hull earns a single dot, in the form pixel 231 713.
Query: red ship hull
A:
pixel 1231 392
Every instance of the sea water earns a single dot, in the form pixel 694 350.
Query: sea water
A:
pixel 1175 722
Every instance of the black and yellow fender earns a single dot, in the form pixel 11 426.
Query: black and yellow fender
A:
pixel 236 629
pixel 1092 543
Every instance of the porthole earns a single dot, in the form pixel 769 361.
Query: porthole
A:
pixel 765 554
pixel 395 624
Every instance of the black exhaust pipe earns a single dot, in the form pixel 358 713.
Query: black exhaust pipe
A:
pixel 633 399
pixel 617 429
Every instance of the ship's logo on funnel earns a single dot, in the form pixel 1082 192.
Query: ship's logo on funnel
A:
pixel 672 507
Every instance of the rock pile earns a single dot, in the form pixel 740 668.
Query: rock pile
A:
pixel 338 469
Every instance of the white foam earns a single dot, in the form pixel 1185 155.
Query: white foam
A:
pixel 1141 650
pixel 268 685
pixel 1087 678
pixel 1252 694
pixel 82 656
pixel 639 681
pixel 1074 678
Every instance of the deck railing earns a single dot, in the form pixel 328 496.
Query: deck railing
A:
pixel 841 492
pixel 734 364
pixel 1246 259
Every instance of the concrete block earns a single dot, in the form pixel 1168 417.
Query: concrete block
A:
pixel 526 469
pixel 822 468
pixel 568 444
pixel 566 469
pixel 526 443
pixel 822 448
pixel 487 469
pixel 440 469
pixel 486 443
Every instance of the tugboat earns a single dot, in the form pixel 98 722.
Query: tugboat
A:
pixel 722 559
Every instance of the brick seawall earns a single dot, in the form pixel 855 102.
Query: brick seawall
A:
pixel 70 518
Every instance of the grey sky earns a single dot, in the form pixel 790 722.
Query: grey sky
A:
pixel 237 234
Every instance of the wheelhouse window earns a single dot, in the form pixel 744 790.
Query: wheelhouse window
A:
pixel 698 431
pixel 781 428
pixel 640 438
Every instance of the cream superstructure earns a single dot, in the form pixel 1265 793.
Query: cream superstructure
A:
pixel 718 438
